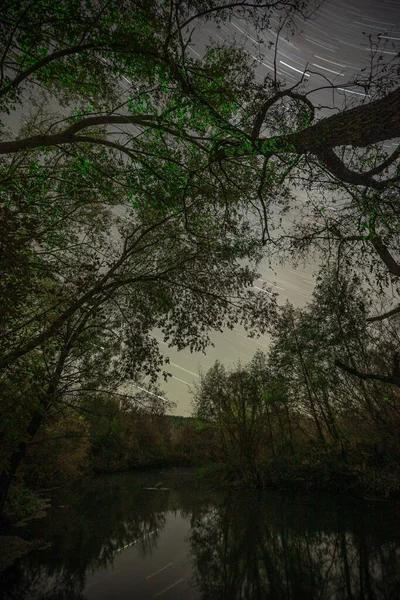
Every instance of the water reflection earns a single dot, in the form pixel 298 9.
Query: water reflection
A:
pixel 87 537
pixel 273 547
pixel 192 543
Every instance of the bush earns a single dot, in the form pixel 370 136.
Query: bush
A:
pixel 23 503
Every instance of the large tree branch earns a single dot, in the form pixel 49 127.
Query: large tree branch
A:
pixel 109 120
pixel 359 127
pixel 271 101
pixel 43 62
pixel 384 254
pixel 68 136
pixel 278 4
pixel 383 316
pixel 77 49
pixel 337 167
pixel 385 164
pixel 393 379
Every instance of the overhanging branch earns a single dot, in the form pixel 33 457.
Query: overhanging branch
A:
pixel 392 379
pixel 387 315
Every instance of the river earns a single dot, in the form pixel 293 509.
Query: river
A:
pixel 113 539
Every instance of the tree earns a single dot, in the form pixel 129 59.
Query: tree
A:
pixel 316 351
pixel 297 350
pixel 240 406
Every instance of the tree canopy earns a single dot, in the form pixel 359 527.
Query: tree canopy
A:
pixel 185 127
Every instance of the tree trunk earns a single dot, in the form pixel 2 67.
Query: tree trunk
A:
pixel 271 433
pixel 38 416
pixel 310 393
pixel 289 420
pixel 16 458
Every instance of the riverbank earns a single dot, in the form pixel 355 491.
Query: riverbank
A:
pixel 13 547
pixel 17 526
pixel 359 481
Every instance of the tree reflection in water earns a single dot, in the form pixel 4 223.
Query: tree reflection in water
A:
pixel 260 548
pixel 242 546
pixel 87 538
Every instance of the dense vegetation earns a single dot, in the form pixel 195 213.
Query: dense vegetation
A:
pixel 292 418
pixel 125 209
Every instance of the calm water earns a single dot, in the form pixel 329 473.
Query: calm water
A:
pixel 117 541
